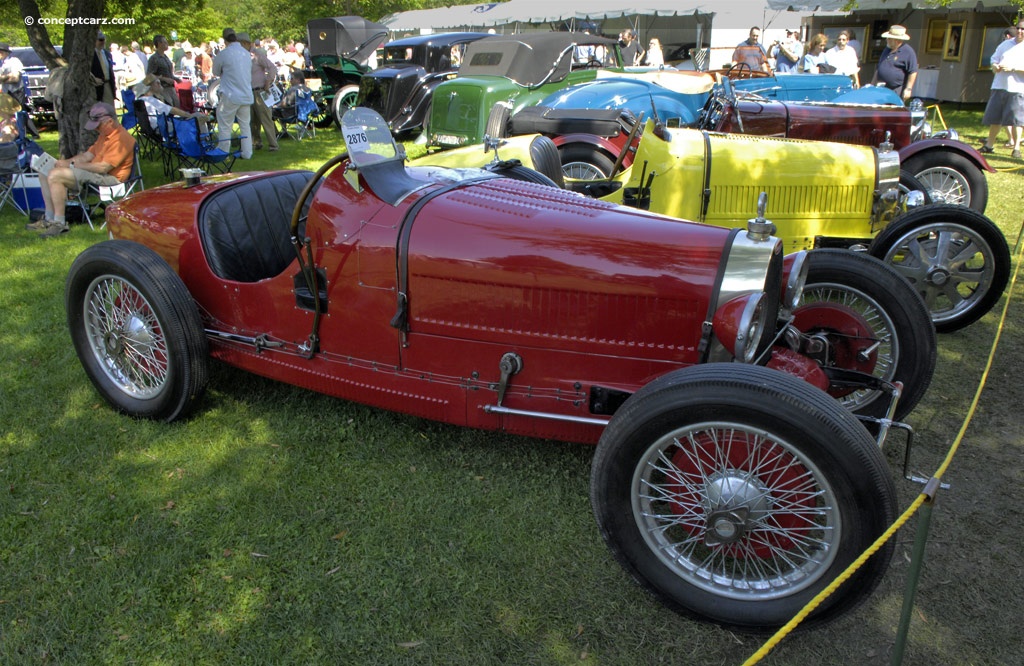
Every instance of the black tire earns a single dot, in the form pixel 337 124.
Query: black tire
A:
pixel 858 304
pixel 136 330
pixel 687 442
pixel 545 159
pixel 585 162
pixel 344 100
pixel 950 178
pixel 926 246
pixel 497 121
pixel 909 183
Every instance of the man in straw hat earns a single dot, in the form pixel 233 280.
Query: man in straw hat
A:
pixel 897 66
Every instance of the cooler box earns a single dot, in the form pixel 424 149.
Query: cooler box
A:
pixel 26 192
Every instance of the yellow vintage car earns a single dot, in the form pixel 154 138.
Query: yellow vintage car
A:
pixel 819 195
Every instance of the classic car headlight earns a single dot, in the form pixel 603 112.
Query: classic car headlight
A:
pixel 753 271
pixel 796 267
pixel 888 169
pixel 740 325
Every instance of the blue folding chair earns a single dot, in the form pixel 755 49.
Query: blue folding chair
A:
pixel 128 118
pixel 200 150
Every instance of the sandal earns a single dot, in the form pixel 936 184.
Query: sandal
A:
pixel 986 149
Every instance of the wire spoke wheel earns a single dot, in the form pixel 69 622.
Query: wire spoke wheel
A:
pixel 736 511
pixel 736 493
pixel 136 330
pixel 874 351
pixel 126 337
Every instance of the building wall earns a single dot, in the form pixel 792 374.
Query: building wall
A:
pixel 955 80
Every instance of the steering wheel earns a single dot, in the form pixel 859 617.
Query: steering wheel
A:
pixel 594 63
pixel 737 71
pixel 721 101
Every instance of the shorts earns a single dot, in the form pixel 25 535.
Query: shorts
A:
pixel 82 177
pixel 1004 108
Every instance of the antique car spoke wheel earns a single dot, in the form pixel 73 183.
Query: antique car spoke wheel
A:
pixel 733 493
pixel 950 178
pixel 136 330
pixel 583 162
pixel 856 313
pixel 344 100
pixel 125 336
pixel 956 259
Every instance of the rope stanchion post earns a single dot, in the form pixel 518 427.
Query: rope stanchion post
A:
pixel 924 522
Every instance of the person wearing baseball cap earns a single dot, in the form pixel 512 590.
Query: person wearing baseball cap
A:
pixel 106 162
pixel 788 52
pixel 897 65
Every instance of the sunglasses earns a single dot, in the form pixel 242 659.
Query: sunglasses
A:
pixel 99 117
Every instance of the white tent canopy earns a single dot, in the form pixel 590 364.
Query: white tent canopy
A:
pixel 881 5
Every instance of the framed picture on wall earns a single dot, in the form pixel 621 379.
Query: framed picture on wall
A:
pixel 953 46
pixel 936 36
pixel 991 39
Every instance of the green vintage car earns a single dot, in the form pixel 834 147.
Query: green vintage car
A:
pixel 514 71
pixel 819 195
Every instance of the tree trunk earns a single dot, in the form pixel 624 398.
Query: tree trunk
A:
pixel 79 91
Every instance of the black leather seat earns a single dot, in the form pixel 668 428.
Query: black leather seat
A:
pixel 246 227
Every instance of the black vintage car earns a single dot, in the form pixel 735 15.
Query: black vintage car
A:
pixel 38 106
pixel 402 87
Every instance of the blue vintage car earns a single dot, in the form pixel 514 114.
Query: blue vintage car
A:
pixel 815 88
pixel 677 97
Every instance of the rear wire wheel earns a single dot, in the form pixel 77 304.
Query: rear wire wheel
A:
pixel 136 330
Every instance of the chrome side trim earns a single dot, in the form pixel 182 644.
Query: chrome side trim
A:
pixel 497 409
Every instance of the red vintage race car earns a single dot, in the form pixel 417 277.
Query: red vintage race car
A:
pixel 726 385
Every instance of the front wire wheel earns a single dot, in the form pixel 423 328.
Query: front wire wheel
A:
pixel 950 178
pixel 736 510
pixel 954 257
pixel 857 313
pixel 736 493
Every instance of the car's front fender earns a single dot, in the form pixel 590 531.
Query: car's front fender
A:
pixel 958 147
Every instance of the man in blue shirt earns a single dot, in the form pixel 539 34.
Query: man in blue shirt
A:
pixel 897 66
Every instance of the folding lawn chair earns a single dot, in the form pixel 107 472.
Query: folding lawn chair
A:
pixel 200 150
pixel 95 198
pixel 11 176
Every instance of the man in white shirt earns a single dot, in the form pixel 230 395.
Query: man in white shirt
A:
pixel 263 75
pixel 234 67
pixel 1006 100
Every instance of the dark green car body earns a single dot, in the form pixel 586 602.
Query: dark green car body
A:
pixel 515 71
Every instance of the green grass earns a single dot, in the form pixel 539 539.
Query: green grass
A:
pixel 277 526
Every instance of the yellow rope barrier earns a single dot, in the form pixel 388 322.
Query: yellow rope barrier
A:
pixel 918 501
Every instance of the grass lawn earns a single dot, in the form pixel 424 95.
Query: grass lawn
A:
pixel 277 526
